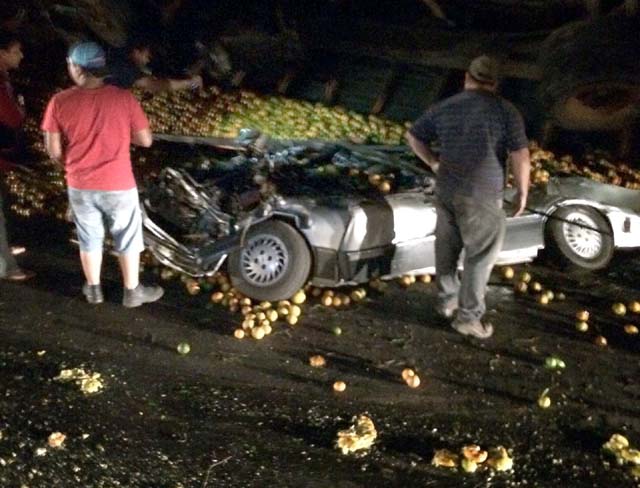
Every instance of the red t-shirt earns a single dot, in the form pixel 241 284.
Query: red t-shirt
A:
pixel 96 126
pixel 10 113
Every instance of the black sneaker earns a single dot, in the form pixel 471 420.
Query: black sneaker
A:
pixel 93 293
pixel 141 294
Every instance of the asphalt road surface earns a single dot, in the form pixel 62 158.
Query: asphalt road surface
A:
pixel 247 413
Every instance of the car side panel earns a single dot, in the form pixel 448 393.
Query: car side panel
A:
pixel 392 236
pixel 523 239
pixel 392 220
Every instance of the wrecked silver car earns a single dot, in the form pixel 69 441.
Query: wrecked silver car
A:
pixel 293 213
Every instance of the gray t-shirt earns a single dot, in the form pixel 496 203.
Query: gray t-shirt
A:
pixel 475 130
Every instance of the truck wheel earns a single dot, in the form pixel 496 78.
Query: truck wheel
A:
pixel 587 244
pixel 590 73
pixel 273 264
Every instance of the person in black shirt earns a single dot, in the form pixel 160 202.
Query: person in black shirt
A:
pixel 478 131
pixel 129 68
pixel 12 116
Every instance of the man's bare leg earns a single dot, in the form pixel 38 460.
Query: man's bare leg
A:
pixel 91 266
pixel 130 267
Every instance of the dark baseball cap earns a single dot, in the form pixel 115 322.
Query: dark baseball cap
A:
pixel 484 69
pixel 87 55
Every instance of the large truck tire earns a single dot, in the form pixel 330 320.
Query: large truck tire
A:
pixel 591 73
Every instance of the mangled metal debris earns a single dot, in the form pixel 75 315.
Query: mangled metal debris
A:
pixel 211 210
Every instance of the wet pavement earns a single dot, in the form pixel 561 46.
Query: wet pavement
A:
pixel 247 413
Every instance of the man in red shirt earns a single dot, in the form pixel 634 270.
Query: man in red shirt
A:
pixel 11 118
pixel 91 126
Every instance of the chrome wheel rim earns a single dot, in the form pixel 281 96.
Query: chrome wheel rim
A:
pixel 586 243
pixel 264 260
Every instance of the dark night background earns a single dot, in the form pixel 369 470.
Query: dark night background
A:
pixel 247 413
pixel 403 52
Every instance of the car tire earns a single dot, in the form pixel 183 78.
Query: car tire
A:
pixel 589 246
pixel 273 264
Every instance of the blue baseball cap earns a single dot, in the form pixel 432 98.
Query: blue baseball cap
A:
pixel 87 55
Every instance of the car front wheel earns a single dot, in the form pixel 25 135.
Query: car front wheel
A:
pixel 581 236
pixel 273 264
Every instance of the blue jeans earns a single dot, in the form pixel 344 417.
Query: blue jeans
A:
pixel 119 211
pixel 7 261
pixel 478 228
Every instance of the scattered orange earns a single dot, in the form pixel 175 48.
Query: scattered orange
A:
pixel 339 386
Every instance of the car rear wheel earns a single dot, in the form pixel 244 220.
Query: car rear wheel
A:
pixel 273 264
pixel 581 236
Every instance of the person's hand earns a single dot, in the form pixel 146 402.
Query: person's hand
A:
pixel 196 82
pixel 519 203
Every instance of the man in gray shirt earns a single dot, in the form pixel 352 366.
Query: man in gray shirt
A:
pixel 477 131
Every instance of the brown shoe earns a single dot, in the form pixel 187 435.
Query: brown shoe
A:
pixel 19 275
